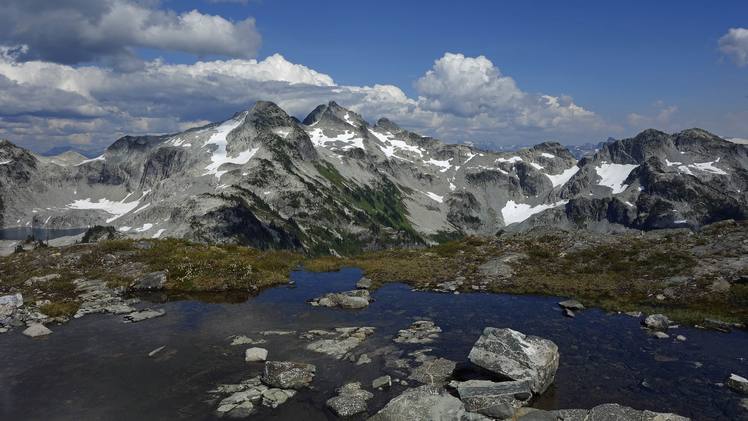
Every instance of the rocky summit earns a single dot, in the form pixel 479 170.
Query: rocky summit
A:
pixel 336 184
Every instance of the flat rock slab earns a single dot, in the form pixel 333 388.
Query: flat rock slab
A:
pixel 150 282
pixel 435 371
pixel 288 374
pixel 255 354
pixel 425 403
pixel 338 342
pixel 419 332
pixel 139 316
pixel 497 400
pixel 517 356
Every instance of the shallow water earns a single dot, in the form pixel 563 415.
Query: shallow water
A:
pixel 97 367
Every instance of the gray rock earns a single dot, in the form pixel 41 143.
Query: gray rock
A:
pixel 363 359
pixel 245 340
pixel 657 322
pixel 35 330
pixel 569 313
pixel 660 335
pixel 139 316
pixel 150 282
pixel 420 332
pixel 351 400
pixel 425 403
pixel 435 371
pixel 36 280
pixel 571 305
pixel 384 381
pixel 274 397
pixel 338 342
pixel 616 412
pixel 288 374
pixel 496 400
pixel 355 299
pixel 255 354
pixel 517 356
pixel 15 300
pixel 156 351
pixel 738 383
pixel 363 283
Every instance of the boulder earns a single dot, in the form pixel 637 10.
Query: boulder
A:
pixel 288 374
pixel 150 282
pixel 571 305
pixel 274 397
pixel 738 383
pixel 384 381
pixel 496 400
pixel 425 403
pixel 349 299
pixel 36 329
pixel 657 322
pixel 15 300
pixel 363 283
pixel 351 400
pixel 255 354
pixel 435 371
pixel 517 356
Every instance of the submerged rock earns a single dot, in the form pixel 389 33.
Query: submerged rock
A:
pixel 420 332
pixel 435 371
pixel 738 383
pixel 35 330
pixel 245 340
pixel 349 299
pixel 139 316
pixel 338 342
pixel 496 400
pixel 517 356
pixel 657 322
pixel 274 397
pixel 425 403
pixel 351 400
pixel 288 374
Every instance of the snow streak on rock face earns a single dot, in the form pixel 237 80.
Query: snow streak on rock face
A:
pixel 220 156
pixel 116 209
pixel 561 179
pixel 614 175
pixel 348 139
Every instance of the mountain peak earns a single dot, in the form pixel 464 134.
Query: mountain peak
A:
pixel 333 113
pixel 388 125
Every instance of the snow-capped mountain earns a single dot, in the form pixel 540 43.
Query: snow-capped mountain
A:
pixel 335 183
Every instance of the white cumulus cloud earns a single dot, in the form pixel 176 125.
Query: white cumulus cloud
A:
pixel 735 45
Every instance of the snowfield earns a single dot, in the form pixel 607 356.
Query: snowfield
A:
pixel 614 175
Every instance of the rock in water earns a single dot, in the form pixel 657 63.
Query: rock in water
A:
pixel 420 332
pixel 738 383
pixel 384 381
pixel 517 356
pixel 139 316
pixel 571 305
pixel 288 374
pixel 255 354
pixel 150 282
pixel 337 342
pixel 496 400
pixel 363 283
pixel 425 403
pixel 349 299
pixel 36 329
pixel 351 400
pixel 657 322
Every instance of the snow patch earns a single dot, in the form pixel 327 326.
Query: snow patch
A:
pixel 158 233
pixel 561 179
pixel 614 175
pixel 536 166
pixel 547 155
pixel 434 196
pixel 517 212
pixel 117 209
pixel 6 162
pixel 392 146
pixel 445 165
pixel 86 161
pixel 348 137
pixel 144 228
pixel 509 160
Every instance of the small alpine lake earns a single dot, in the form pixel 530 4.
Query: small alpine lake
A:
pixel 97 367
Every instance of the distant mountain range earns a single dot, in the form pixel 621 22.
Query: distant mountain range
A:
pixel 336 184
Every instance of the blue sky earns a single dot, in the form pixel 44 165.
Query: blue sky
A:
pixel 633 64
